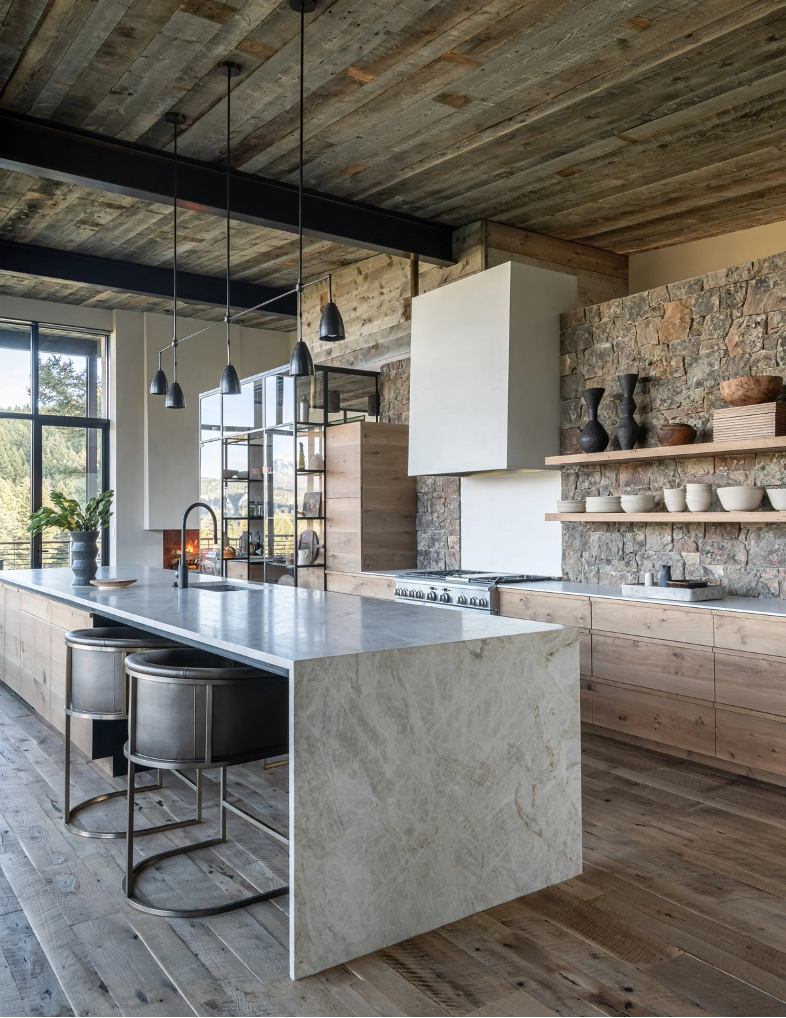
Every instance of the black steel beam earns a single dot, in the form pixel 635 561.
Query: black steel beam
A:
pixel 50 150
pixel 130 277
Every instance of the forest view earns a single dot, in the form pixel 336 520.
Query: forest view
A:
pixel 62 388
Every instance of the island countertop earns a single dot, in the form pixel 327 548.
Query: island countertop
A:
pixel 264 624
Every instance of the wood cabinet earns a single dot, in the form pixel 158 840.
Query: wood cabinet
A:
pixel 362 584
pixel 690 681
pixel 370 500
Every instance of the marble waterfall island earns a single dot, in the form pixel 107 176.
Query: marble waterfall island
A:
pixel 434 754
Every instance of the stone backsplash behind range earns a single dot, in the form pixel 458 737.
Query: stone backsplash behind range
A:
pixel 683 339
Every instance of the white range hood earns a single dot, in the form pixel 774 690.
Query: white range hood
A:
pixel 484 390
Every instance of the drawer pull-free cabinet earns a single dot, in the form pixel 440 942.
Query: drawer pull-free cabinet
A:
pixel 756 634
pixel 751 741
pixel 632 618
pixel 752 681
pixel 561 609
pixel 672 668
pixel 660 719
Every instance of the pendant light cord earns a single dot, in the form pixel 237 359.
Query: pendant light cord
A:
pixel 174 261
pixel 300 181
pixel 229 94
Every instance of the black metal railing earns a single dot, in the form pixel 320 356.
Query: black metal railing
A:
pixel 16 554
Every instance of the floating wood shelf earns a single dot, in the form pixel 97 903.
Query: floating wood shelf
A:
pixel 757 518
pixel 670 452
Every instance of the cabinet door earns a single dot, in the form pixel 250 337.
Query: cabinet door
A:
pixel 2 632
pixel 758 634
pixel 753 681
pixel 13 640
pixel 663 719
pixel 633 618
pixel 36 662
pixel 752 741
pixel 362 584
pixel 563 609
pixel 585 652
pixel 670 667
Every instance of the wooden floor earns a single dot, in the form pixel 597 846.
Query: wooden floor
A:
pixel 681 909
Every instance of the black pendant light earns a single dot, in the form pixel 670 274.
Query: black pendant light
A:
pixel 331 324
pixel 301 363
pixel 230 383
pixel 174 394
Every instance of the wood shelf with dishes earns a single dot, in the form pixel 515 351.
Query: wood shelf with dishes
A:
pixel 754 422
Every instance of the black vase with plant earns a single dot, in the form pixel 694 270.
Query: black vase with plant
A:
pixel 628 428
pixel 84 526
pixel 594 437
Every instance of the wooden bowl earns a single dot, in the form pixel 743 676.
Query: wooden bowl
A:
pixel 751 389
pixel 676 434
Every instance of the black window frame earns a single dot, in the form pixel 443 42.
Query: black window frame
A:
pixel 40 420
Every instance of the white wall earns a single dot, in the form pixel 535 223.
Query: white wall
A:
pixel 684 261
pixel 502 524
pixel 154 461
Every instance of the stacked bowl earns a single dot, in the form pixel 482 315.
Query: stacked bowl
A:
pixel 698 497
pixel 642 502
pixel 604 504
pixel 570 505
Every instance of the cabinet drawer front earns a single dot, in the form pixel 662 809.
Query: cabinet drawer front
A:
pixel 562 609
pixel 585 652
pixel 65 617
pixel 761 634
pixel 744 680
pixel 673 668
pixel 658 718
pixel 35 604
pixel 751 741
pixel 361 584
pixel 677 625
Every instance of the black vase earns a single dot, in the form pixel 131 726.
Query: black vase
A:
pixel 627 429
pixel 594 437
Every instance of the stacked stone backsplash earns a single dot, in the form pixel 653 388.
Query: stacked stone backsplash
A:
pixel 439 498
pixel 683 339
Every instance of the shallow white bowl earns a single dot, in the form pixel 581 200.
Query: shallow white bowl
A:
pixel 638 503
pixel 742 498
pixel 570 506
pixel 604 504
pixel 778 498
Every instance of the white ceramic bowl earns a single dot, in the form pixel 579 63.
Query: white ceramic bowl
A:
pixel 699 503
pixel 697 488
pixel 604 504
pixel 742 498
pixel 638 503
pixel 571 506
pixel 675 500
pixel 778 498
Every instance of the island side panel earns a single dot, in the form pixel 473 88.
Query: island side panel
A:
pixel 428 784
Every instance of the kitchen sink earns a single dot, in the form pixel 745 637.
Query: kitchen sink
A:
pixel 217 588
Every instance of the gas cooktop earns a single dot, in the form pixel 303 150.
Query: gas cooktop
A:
pixel 474 576
pixel 448 588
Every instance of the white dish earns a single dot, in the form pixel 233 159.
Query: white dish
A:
pixel 675 500
pixel 699 503
pixel 777 497
pixel 742 498
pixel 570 507
pixel 638 503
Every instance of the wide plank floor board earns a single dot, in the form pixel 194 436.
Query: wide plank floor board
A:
pixel 681 909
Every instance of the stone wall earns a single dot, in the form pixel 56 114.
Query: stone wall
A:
pixel 683 339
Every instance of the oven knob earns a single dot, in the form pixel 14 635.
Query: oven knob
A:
pixel 413 593
pixel 398 591
pixel 473 601
pixel 419 594
pixel 444 598
pixel 461 599
pixel 432 596
pixel 483 602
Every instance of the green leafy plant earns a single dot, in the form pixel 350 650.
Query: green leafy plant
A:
pixel 70 516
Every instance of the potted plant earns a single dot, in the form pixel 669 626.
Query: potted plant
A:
pixel 83 525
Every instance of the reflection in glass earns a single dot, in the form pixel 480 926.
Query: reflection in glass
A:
pixel 210 416
pixel 15 367
pixel 70 372
pixel 239 410
pixel 70 463
pixel 14 493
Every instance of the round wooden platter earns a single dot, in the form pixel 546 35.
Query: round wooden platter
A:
pixel 112 584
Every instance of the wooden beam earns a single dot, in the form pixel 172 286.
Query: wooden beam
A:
pixel 132 277
pixel 50 150
pixel 553 249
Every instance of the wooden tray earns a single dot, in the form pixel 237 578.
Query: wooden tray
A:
pixel 763 420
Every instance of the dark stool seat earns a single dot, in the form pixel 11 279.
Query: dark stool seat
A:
pixel 96 688
pixel 190 708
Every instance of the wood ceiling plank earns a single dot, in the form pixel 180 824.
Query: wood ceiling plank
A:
pixel 550 249
pixel 17 29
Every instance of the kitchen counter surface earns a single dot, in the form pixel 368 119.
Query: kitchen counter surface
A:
pixel 434 756
pixel 261 624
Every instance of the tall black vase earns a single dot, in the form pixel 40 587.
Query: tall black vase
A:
pixel 594 437
pixel 627 429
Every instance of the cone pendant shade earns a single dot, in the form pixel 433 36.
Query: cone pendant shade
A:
pixel 331 324
pixel 159 386
pixel 300 362
pixel 230 383
pixel 175 400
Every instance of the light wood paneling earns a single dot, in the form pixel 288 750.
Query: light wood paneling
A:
pixel 750 740
pixel 585 652
pixel 565 610
pixel 663 719
pixel 671 668
pixel 757 634
pixel 363 584
pixel 752 681
pixel 633 618
pixel 13 639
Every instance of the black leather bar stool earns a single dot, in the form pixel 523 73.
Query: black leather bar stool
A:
pixel 191 709
pixel 96 688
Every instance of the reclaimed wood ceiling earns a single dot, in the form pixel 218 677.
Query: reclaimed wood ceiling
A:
pixel 624 124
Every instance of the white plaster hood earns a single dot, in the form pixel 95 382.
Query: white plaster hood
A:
pixel 485 371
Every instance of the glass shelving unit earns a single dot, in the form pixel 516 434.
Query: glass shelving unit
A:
pixel 262 469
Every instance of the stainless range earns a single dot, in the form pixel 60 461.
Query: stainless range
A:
pixel 461 589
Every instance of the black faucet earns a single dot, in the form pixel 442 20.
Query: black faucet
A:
pixel 182 569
